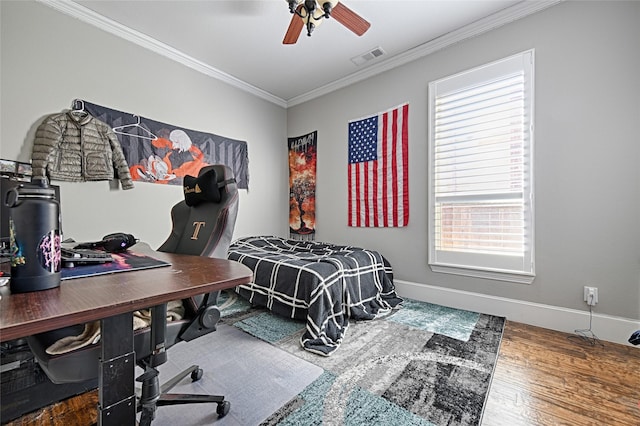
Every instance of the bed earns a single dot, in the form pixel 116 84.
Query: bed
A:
pixel 322 284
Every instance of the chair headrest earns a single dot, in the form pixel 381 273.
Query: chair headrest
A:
pixel 204 188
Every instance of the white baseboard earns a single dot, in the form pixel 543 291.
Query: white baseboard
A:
pixel 605 327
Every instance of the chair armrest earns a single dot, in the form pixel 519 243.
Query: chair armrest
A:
pixel 205 319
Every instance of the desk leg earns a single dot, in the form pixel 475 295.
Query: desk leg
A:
pixel 116 394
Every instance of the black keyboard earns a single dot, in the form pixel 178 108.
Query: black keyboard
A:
pixel 78 255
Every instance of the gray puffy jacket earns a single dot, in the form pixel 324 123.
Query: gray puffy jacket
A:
pixel 75 146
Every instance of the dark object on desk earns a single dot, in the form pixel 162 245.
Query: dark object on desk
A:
pixel 204 230
pixel 112 243
pixel 6 183
pixel 635 338
pixel 72 257
pixel 34 223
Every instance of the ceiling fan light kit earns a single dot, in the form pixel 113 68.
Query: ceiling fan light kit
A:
pixel 311 13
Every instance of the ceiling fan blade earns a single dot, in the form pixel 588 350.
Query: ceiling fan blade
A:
pixel 350 19
pixel 294 30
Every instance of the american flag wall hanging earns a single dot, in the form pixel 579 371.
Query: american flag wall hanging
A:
pixel 379 169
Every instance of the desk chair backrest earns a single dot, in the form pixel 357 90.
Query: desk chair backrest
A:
pixel 203 222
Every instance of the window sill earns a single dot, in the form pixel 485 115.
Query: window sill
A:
pixel 498 275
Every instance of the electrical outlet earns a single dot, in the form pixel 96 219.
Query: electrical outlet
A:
pixel 591 295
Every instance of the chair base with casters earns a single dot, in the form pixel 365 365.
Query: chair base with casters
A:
pixel 153 395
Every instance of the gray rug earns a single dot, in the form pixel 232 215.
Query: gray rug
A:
pixel 424 364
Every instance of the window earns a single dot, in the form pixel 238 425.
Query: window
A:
pixel 480 171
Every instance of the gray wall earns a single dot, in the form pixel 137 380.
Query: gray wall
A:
pixel 49 58
pixel 587 155
pixel 587 147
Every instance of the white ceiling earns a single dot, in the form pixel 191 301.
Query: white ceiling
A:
pixel 241 41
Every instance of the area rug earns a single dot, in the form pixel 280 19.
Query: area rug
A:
pixel 423 364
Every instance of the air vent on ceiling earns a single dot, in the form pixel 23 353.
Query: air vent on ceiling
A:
pixel 365 57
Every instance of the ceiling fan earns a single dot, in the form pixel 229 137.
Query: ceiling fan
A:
pixel 311 13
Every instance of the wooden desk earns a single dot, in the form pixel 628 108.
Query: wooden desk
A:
pixel 113 299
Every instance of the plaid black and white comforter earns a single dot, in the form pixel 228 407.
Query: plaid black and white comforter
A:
pixel 322 284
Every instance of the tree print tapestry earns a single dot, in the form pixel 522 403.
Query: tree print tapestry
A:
pixel 164 153
pixel 302 186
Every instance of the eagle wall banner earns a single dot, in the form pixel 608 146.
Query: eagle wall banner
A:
pixel 302 186
pixel 163 153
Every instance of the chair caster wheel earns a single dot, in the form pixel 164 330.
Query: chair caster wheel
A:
pixel 223 408
pixel 196 375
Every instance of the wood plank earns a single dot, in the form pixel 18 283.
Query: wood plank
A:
pixel 80 410
pixel 544 377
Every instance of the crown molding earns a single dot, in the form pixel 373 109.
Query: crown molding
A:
pixel 88 16
pixel 503 17
pixel 478 27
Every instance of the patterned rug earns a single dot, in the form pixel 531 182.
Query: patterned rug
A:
pixel 423 364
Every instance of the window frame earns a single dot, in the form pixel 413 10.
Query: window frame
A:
pixel 459 262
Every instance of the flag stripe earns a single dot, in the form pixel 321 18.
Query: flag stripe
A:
pixel 365 187
pixel 385 174
pixel 405 163
pixel 391 142
pixel 376 196
pixel 350 206
pixel 378 170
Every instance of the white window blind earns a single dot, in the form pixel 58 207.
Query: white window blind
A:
pixel 481 195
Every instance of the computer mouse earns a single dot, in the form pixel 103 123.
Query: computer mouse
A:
pixel 118 242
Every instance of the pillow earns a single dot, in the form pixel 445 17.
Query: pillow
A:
pixel 201 189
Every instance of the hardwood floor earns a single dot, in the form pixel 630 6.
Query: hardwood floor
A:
pixel 542 377
pixel 78 411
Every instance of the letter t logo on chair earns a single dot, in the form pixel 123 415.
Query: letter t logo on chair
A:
pixel 196 230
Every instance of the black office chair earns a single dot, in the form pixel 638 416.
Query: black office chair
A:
pixel 211 197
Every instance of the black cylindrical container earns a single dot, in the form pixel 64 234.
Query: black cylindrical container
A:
pixel 34 227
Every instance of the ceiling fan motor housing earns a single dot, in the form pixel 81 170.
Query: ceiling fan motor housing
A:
pixel 309 18
pixel 326 6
